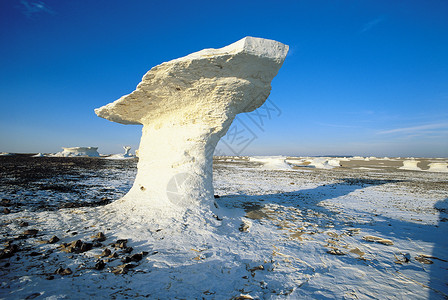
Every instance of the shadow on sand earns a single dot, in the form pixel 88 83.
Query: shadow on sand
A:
pixel 311 199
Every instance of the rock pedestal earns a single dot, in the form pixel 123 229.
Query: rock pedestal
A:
pixel 185 106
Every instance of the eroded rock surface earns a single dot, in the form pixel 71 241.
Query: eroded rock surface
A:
pixel 185 106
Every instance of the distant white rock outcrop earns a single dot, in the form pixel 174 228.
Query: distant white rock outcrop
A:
pixel 438 167
pixel 272 162
pixel 125 155
pixel 411 165
pixel 78 152
pixel 185 106
pixel 324 163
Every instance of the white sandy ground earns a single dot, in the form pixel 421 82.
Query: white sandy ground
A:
pixel 296 222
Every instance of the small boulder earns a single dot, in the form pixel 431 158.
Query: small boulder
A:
pixel 99 237
pixel 30 232
pixel 335 252
pixel 54 239
pixel 24 224
pixel 62 271
pixel 100 265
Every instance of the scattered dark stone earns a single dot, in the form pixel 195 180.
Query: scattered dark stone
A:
pixel 86 247
pixel 30 232
pixel 126 259
pixel 128 266
pixel 24 224
pixel 216 196
pixel 123 269
pixel 405 258
pixel 62 271
pixel 257 268
pixel 244 227
pixel 113 255
pixel 54 239
pixel 9 250
pixel 122 244
pixel 50 277
pixel 128 250
pixel 106 252
pixel 422 259
pixel 100 265
pixel 154 252
pixel 335 252
pixel 34 253
pixel 5 253
pixel 74 233
pixel 13 247
pixel 70 205
pixel 119 270
pixel 158 230
pixel 99 237
pixel 6 211
pixel 97 245
pixel 217 218
pixel 6 265
pixel 6 202
pixel 77 246
pixel 136 257
pixel 101 202
pixel 33 295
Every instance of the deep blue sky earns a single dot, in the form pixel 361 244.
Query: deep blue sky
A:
pixel 361 78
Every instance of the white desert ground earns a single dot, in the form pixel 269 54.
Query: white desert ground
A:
pixel 289 228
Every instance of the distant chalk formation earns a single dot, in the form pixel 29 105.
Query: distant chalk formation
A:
pixel 78 152
pixel 185 106
pixel 127 154
pixel 438 167
pixel 410 165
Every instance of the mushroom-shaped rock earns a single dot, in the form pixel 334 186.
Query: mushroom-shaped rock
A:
pixel 127 150
pixel 185 106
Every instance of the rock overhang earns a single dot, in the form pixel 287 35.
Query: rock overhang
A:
pixel 190 85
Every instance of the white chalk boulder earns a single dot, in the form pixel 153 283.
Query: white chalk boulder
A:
pixel 185 106
pixel 78 152
pixel 438 167
pixel 411 165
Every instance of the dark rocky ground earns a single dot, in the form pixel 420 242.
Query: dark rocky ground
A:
pixel 48 183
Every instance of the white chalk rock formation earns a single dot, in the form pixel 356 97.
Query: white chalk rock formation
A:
pixel 185 106
pixel 323 163
pixel 125 155
pixel 410 165
pixel 272 162
pixel 127 151
pixel 78 152
pixel 438 167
